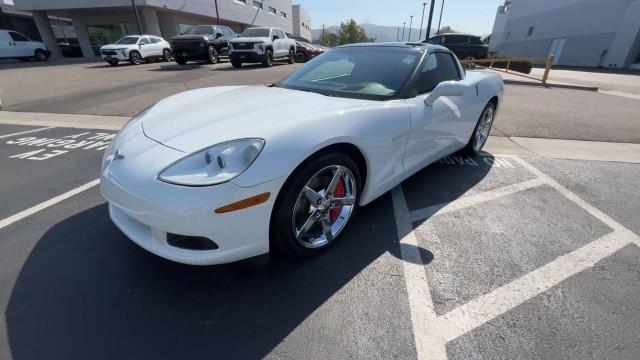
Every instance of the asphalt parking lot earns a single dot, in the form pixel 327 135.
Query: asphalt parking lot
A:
pixel 486 257
pixel 493 257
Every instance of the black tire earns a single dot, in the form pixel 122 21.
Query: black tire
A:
pixel 113 62
pixel 41 55
pixel 281 229
pixel 236 64
pixel 135 58
pixel 212 55
pixel 300 57
pixel 292 56
pixel 180 60
pixel 166 55
pixel 473 148
pixel 268 58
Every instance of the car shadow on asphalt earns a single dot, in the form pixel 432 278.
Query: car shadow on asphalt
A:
pixel 86 291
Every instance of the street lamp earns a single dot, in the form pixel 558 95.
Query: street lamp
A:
pixel 430 18
pixel 217 13
pixel 410 24
pixel 135 12
pixel 422 21
pixel 403 26
pixel 439 21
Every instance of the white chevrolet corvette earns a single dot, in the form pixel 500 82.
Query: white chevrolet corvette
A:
pixel 220 174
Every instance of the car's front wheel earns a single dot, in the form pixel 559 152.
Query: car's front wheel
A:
pixel 315 205
pixel 236 64
pixel 113 62
pixel 268 58
pixel 212 55
pixel 180 60
pixel 135 58
pixel 482 130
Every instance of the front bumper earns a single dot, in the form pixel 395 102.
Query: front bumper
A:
pixel 146 209
pixel 120 55
pixel 246 56
pixel 192 51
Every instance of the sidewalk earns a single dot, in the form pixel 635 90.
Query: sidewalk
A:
pixel 520 146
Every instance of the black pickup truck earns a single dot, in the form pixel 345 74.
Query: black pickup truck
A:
pixel 202 42
pixel 465 46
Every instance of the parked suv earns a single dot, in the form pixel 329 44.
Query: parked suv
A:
pixel 202 42
pixel 465 46
pixel 135 49
pixel 262 45
pixel 14 45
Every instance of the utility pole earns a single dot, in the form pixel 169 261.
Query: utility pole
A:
pixel 439 21
pixel 322 41
pixel 403 26
pixel 422 21
pixel 135 12
pixel 410 24
pixel 217 12
pixel 398 34
pixel 433 2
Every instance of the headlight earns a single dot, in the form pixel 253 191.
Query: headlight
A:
pixel 261 47
pixel 214 165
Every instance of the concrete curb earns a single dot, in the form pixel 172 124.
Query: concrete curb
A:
pixel 551 85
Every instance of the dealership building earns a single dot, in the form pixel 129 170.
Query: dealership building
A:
pixel 99 22
pixel 591 33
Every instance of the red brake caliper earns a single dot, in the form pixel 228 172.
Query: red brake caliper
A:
pixel 338 193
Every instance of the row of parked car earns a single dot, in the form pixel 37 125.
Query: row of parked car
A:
pixel 210 43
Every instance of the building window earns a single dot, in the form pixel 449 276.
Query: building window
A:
pixel 283 14
pixel 257 4
pixel 530 32
pixel 272 10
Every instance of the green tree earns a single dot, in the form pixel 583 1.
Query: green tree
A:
pixel 350 32
pixel 446 30
pixel 330 39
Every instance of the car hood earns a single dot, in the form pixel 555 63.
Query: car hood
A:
pixel 117 46
pixel 196 119
pixel 250 39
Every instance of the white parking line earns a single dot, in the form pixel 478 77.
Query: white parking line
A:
pixel 26 132
pixel 34 209
pixel 432 332
pixel 423 315
pixel 476 199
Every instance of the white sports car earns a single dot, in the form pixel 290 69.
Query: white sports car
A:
pixel 220 174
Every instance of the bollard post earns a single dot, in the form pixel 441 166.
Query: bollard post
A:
pixel 547 69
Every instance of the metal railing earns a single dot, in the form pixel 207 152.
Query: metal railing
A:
pixel 509 61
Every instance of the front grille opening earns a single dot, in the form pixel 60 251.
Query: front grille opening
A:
pixel 191 242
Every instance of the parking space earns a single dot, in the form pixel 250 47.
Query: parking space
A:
pixel 485 257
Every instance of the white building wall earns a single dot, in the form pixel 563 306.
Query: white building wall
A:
pixel 589 28
pixel 301 22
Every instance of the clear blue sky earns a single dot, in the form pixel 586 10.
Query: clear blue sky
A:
pixel 473 16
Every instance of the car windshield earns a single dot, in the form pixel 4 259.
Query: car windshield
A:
pixel 365 72
pixel 198 30
pixel 128 40
pixel 256 32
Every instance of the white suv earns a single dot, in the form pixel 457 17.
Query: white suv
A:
pixel 262 45
pixel 135 49
pixel 14 45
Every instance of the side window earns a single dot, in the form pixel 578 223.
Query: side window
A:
pixel 18 37
pixel 144 41
pixel 155 40
pixel 456 40
pixel 435 40
pixel 439 67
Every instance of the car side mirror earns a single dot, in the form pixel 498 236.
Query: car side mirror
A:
pixel 218 35
pixel 445 88
pixel 275 37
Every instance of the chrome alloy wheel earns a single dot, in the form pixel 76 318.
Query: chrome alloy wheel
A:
pixel 484 127
pixel 324 206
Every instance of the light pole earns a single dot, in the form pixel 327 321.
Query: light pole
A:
pixel 217 13
pixel 430 18
pixel 322 41
pixel 422 21
pixel 439 21
pixel 410 24
pixel 135 12
pixel 398 34
pixel 403 26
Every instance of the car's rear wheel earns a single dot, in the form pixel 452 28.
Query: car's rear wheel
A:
pixel 166 55
pixel 180 60
pixel 292 56
pixel 300 57
pixel 268 58
pixel 212 55
pixel 41 55
pixel 135 58
pixel 482 130
pixel 315 205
